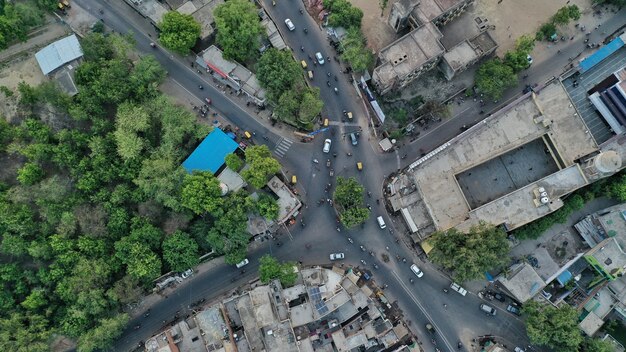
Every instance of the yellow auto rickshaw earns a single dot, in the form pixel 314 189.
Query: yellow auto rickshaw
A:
pixel 303 63
pixel 294 179
pixel 359 166
pixel 247 134
pixel 326 122
pixel 310 74
pixel 349 115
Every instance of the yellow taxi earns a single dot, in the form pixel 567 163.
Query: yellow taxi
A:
pixel 359 166
pixel 247 134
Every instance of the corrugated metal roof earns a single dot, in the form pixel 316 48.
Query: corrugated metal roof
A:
pixel 601 54
pixel 58 54
pixel 210 154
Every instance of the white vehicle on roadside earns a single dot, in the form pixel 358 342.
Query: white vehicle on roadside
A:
pixel 416 271
pixel 242 263
pixel 337 256
pixel 187 273
pixel 327 144
pixel 456 287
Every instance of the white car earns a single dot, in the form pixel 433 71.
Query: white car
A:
pixel 416 271
pixel 290 24
pixel 319 57
pixel 187 273
pixel 337 256
pixel 327 143
pixel 242 263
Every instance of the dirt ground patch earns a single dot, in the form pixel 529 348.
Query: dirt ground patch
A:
pixel 374 25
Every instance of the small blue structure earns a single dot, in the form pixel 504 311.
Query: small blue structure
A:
pixel 604 52
pixel 210 154
pixel 58 54
pixel 564 277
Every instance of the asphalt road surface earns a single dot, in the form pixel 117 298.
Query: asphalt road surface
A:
pixel 423 301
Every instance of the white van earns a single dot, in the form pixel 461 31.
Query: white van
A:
pixel 242 263
pixel 456 287
pixel 381 222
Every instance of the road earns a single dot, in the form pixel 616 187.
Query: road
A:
pixel 422 301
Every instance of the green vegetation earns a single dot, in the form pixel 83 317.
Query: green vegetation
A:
pixel 294 102
pixel 179 32
pixel 562 17
pixel 554 327
pixel 233 162
pixel 99 206
pixel 495 76
pixel 469 255
pixel 239 30
pixel 354 50
pixel 343 14
pixel 348 199
pixel 261 165
pixel 613 187
pixel 271 269
pixel 17 18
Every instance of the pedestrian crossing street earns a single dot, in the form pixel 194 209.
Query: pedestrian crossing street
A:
pixel 282 147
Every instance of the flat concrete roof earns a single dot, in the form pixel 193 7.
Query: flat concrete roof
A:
pixel 253 332
pixel 428 10
pixel 469 50
pixel 548 114
pixel 260 298
pixel 213 326
pixel 288 203
pixel 610 255
pixel 409 53
pixel 523 282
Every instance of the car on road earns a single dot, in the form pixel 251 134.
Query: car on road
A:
pixel 359 166
pixel 337 256
pixel 513 309
pixel 381 222
pixel 456 287
pixel 187 273
pixel 242 263
pixel 519 349
pixel 353 139
pixel 416 270
pixel 489 310
pixel 289 24
pixel 303 63
pixel 327 144
pixel 319 57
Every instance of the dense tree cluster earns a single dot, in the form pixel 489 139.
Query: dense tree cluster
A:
pixel 469 255
pixel 271 269
pixel 554 327
pixel 98 205
pixel 239 30
pixel 343 14
pixel 17 18
pixel 348 199
pixel 562 17
pixel 294 102
pixel 179 32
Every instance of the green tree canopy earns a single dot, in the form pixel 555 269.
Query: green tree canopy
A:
pixel 469 255
pixel 179 32
pixel 556 328
pixel 310 105
pixel 348 198
pixel 201 193
pixel 343 14
pixel 268 207
pixel 233 162
pixel 262 165
pixel 591 344
pixel 494 77
pixel 278 72
pixel 30 173
pixel 516 60
pixel 239 29
pixel 180 251
pixel 525 44
pixel 271 269
pixel 104 334
pixel 355 51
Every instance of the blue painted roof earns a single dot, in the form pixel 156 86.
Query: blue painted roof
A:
pixel 58 54
pixel 564 277
pixel 601 54
pixel 210 154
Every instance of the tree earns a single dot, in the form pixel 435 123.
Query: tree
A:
pixel 29 174
pixel 355 52
pixel 565 14
pixel 262 165
pixel 554 327
pixel 343 14
pixel 160 178
pixel 591 344
pixel 239 30
pixel 525 44
pixel 271 269
pixel 348 198
pixel 104 334
pixel 141 263
pixel 24 333
pixel 268 207
pixel 180 251
pixel 493 77
pixel 546 31
pixel 201 192
pixel 278 72
pixel 179 32
pixel 516 60
pixel 469 255
pixel 311 105
pixel 233 162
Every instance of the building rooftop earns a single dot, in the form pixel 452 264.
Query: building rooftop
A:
pixel 428 10
pixel 58 54
pixel 288 203
pixel 523 282
pixel 547 116
pixel 210 154
pixel 469 50
pixel 408 54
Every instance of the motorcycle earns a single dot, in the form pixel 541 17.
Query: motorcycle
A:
pixel 375 266
pixel 362 248
pixel 445 290
pixel 363 262
pixel 350 240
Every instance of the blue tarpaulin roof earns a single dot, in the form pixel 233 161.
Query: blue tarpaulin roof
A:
pixel 564 277
pixel 601 54
pixel 210 154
